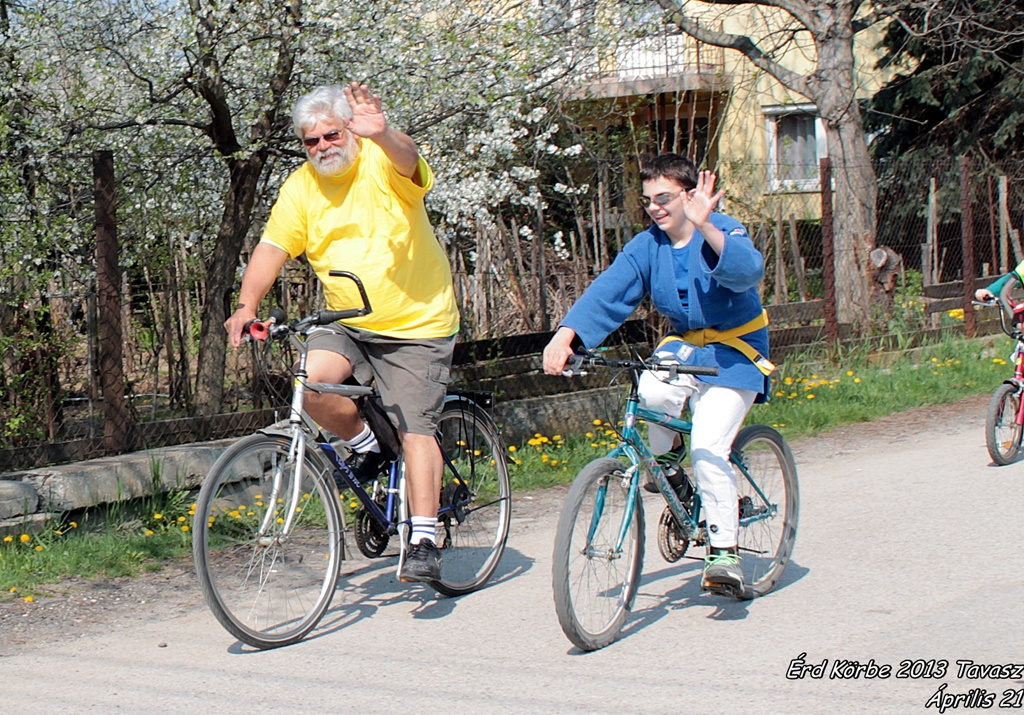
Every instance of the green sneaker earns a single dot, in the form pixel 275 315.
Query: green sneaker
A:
pixel 722 574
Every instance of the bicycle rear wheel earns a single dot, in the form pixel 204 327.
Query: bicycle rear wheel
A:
pixel 594 582
pixel 1002 433
pixel 476 498
pixel 268 588
pixel 769 505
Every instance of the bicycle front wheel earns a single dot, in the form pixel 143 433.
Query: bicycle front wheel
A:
pixel 1002 433
pixel 594 576
pixel 769 506
pixel 476 498
pixel 267 541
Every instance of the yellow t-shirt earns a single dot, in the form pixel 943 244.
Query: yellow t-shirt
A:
pixel 371 221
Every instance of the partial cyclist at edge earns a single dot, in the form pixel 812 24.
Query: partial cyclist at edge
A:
pixel 357 205
pixel 700 270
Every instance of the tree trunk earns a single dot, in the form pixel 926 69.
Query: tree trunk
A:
pixel 220 280
pixel 855 188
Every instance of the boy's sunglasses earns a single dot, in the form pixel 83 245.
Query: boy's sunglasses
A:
pixel 660 199
pixel 329 136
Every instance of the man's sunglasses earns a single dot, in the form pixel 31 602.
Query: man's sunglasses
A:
pixel 329 136
pixel 659 200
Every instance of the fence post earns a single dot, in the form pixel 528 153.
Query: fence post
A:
pixel 108 285
pixel 967 238
pixel 828 253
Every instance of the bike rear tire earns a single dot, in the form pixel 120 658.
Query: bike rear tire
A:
pixel 1002 433
pixel 594 585
pixel 268 589
pixel 769 505
pixel 476 498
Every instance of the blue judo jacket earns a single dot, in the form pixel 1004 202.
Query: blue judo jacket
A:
pixel 722 293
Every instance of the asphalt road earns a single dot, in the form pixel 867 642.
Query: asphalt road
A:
pixel 906 563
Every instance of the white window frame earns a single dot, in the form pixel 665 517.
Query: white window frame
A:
pixel 772 115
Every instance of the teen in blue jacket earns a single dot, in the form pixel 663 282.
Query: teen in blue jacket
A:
pixel 701 272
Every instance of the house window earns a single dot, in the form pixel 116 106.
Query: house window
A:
pixel 796 143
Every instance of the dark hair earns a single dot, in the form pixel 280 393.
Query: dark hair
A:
pixel 669 166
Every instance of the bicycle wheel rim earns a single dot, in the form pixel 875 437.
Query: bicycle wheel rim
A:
pixel 267 588
pixel 1003 434
pixel 476 499
pixel 594 582
pixel 768 505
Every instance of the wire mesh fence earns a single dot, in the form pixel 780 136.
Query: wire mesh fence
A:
pixel 512 290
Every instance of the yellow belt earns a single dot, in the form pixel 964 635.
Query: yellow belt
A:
pixel 732 338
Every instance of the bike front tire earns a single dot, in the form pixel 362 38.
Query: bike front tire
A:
pixel 594 582
pixel 1002 433
pixel 266 587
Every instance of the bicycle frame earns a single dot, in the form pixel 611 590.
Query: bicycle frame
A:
pixel 301 425
pixel 633 447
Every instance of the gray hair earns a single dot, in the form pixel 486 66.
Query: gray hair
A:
pixel 323 103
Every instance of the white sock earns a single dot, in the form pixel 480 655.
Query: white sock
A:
pixel 423 527
pixel 365 441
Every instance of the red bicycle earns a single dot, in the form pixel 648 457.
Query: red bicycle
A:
pixel 1004 423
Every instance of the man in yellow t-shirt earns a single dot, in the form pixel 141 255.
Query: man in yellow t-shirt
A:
pixel 357 205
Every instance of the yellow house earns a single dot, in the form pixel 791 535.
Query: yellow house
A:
pixel 714 105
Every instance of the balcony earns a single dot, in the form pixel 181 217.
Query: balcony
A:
pixel 662 63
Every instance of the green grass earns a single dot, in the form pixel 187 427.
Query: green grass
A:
pixel 811 394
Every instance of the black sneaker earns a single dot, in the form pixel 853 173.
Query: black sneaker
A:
pixel 366 466
pixel 422 563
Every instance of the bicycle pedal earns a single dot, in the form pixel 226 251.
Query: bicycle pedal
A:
pixel 722 589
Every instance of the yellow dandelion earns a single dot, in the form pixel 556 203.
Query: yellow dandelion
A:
pixel 158 516
pixel 513 448
pixel 810 396
pixel 25 538
pixel 184 527
pixel 182 518
pixel 74 525
pixel 554 462
pixel 149 532
pixel 14 589
pixel 29 599
pixel 39 547
pixel 856 379
pixel 8 539
pixel 849 373
pixel 597 423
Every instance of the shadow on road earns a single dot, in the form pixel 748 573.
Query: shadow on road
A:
pixel 653 603
pixel 374 585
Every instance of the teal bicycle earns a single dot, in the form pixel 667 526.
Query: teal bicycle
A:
pixel 600 539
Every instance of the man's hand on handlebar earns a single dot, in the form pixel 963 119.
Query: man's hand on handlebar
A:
pixel 237 324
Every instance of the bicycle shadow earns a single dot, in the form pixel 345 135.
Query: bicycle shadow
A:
pixel 367 586
pixel 687 594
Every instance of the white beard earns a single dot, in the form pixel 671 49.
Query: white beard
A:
pixel 337 160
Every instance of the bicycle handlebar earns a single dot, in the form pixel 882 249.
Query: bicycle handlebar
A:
pixel 576 364
pixel 276 324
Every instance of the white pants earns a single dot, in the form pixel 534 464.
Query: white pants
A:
pixel 718 414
